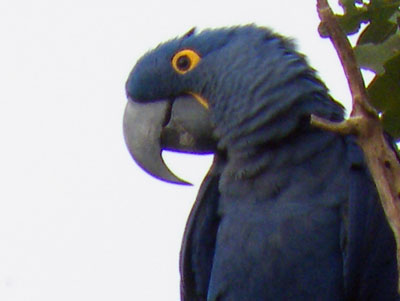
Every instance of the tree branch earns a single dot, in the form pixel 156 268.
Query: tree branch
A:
pixel 364 122
pixel 347 58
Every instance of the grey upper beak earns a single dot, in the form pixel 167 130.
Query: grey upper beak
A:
pixel 181 125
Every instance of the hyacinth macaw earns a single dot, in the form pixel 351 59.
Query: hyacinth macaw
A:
pixel 287 211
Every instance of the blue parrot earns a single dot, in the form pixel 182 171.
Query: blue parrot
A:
pixel 287 211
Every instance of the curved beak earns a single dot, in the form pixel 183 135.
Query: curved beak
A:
pixel 181 125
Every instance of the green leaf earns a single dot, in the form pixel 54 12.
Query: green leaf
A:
pixel 373 56
pixel 347 4
pixel 353 16
pixel 377 32
pixel 382 20
pixel 384 92
pixel 384 3
pixel 351 22
pixel 351 19
pixel 378 49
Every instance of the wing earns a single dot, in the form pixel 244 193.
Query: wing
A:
pixel 198 243
pixel 370 266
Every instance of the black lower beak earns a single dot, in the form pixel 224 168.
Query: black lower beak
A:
pixel 181 125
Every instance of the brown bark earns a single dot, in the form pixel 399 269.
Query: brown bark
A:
pixel 364 122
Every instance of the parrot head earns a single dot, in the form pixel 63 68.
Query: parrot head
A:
pixel 225 90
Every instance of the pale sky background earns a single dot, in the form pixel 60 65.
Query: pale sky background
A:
pixel 79 220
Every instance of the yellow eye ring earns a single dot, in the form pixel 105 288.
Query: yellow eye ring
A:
pixel 185 60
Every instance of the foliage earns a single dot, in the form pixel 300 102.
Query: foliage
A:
pixel 378 50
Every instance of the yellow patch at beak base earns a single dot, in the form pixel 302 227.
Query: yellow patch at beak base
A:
pixel 200 99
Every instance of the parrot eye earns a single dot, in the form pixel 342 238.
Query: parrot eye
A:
pixel 185 60
pixel 183 63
